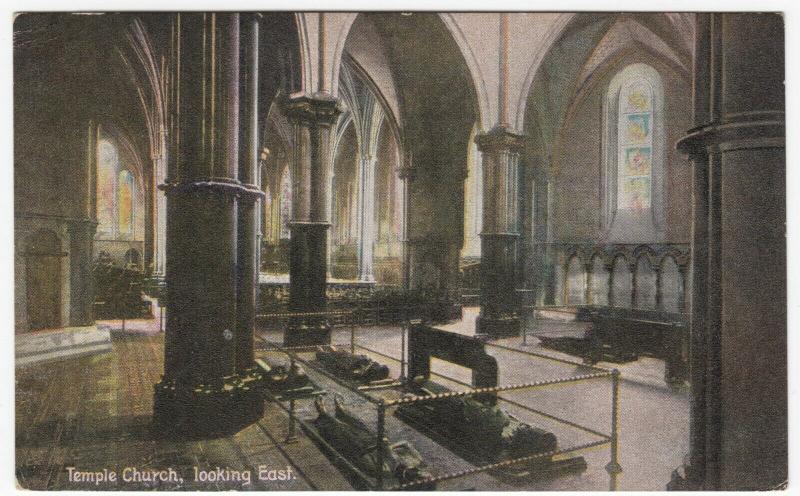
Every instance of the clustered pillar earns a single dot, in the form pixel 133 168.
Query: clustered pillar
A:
pixel 208 382
pixel 738 327
pixel 500 237
pixel 81 242
pixel 312 119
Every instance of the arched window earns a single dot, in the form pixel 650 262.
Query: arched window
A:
pixel 125 196
pixel 634 144
pixel 286 202
pixel 107 165
pixel 119 203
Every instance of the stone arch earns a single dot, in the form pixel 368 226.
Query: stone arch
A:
pixel 598 290
pixel 344 198
pixel 553 35
pixel 447 20
pixel 575 281
pixel 672 287
pixel 304 51
pixel 622 286
pixel 571 45
pixel 646 283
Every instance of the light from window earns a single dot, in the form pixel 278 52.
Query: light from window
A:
pixel 286 203
pixel 107 165
pixel 635 146
pixel 125 202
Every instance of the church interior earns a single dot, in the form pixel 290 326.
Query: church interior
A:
pixel 407 250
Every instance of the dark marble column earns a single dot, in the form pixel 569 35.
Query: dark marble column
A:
pixel 204 391
pixel 500 237
pixel 312 119
pixel 81 240
pixel 247 256
pixel 738 324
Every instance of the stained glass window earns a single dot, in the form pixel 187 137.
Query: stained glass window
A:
pixel 119 204
pixel 635 146
pixel 107 165
pixel 125 202
pixel 286 203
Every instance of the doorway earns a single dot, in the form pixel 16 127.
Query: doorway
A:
pixel 43 280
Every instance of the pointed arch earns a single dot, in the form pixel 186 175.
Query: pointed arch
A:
pixel 553 35
pixel 458 37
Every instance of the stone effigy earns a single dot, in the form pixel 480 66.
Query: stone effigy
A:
pixel 483 429
pixel 358 368
pixel 349 436
pixel 282 378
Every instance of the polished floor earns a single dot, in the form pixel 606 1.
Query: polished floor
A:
pixel 93 413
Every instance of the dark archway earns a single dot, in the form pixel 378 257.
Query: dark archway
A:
pixel 437 110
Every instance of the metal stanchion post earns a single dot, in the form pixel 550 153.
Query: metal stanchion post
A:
pixel 290 436
pixel 614 468
pixel 379 444
pixel 161 318
pixel 525 330
pixel 403 329
pixel 352 335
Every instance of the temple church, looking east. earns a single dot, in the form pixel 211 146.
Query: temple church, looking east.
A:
pixel 418 250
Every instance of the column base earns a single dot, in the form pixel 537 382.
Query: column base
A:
pixel 307 332
pixel 205 411
pixel 498 327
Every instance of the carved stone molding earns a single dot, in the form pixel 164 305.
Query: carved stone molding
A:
pixel 317 109
pixel 500 139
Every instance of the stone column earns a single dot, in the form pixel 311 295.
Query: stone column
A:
pixel 247 242
pixel 204 391
pixel 610 269
pixel 738 326
pixel 160 206
pixel 659 289
pixel 406 174
pixel 366 217
pixel 587 267
pixel 312 119
pixel 500 234
pixel 81 241
pixel 81 245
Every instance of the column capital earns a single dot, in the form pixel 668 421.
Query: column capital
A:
pixel 316 109
pixel 500 138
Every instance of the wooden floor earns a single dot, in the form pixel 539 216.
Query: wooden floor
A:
pixel 93 413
